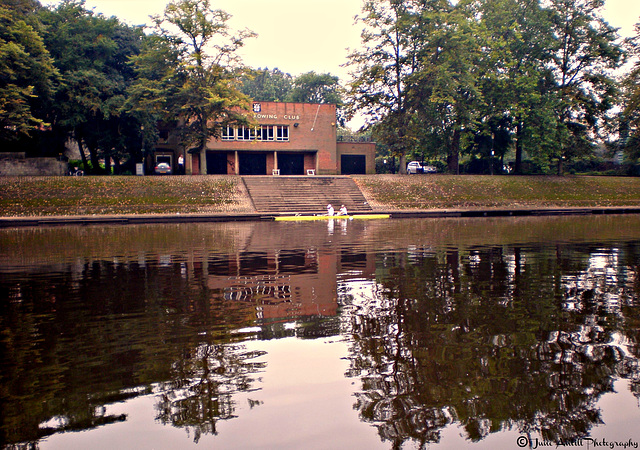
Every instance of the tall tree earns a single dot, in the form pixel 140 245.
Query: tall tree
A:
pixel 630 117
pixel 311 87
pixel 589 51
pixel 27 74
pixel 197 82
pixel 378 87
pixel 415 76
pixel 267 85
pixel 516 83
pixel 91 52
pixel 444 91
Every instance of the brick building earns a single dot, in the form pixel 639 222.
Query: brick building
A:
pixel 287 139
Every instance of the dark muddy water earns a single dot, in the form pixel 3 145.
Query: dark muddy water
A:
pixel 443 333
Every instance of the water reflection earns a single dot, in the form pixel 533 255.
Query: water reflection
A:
pixel 492 325
pixel 495 338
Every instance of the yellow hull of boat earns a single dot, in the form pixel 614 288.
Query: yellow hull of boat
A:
pixel 357 216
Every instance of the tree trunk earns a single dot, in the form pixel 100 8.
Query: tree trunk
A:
pixel 403 163
pixel 560 165
pixel 203 147
pixel 188 162
pixel 95 163
pixel 83 156
pixel 203 160
pixel 518 164
pixel 453 159
pixel 401 147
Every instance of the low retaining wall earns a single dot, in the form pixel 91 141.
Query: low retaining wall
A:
pixel 134 219
pixel 18 165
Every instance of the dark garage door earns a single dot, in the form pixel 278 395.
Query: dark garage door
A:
pixel 353 164
pixel 291 164
pixel 253 163
pixel 216 163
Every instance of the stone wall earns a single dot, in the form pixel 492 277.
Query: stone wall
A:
pixel 16 164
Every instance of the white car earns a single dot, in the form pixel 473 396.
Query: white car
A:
pixel 414 167
pixel 429 169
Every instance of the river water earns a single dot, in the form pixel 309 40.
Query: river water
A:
pixel 438 333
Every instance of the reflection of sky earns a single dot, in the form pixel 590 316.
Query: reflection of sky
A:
pixel 302 400
pixel 308 420
pixel 306 401
pixel 619 411
pixel 359 293
pixel 600 277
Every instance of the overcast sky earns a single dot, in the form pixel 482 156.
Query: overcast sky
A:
pixel 299 36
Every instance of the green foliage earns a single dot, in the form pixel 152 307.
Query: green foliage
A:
pixel 518 107
pixel 439 78
pixel 275 86
pixel 91 53
pixel 188 72
pixel 386 164
pixel 630 118
pixel 587 54
pixel 316 88
pixel 311 87
pixel 27 74
pixel 266 85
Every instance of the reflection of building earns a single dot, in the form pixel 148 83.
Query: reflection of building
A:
pixel 289 283
pixel 286 138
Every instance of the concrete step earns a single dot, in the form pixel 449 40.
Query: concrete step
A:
pixel 308 194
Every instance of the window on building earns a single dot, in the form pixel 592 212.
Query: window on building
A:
pixel 261 133
pixel 228 133
pixel 240 133
pixel 282 133
pixel 266 133
pixel 246 133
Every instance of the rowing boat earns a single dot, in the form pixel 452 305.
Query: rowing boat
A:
pixel 356 216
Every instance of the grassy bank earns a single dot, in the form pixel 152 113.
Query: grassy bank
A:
pixel 32 196
pixel 481 191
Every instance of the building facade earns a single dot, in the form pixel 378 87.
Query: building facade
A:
pixel 285 139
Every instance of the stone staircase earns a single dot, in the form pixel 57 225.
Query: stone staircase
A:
pixel 304 194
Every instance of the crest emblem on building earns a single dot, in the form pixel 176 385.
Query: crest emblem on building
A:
pixel 257 107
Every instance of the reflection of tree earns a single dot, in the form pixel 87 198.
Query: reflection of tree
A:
pixel 97 332
pixel 484 337
pixel 86 332
pixel 203 385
